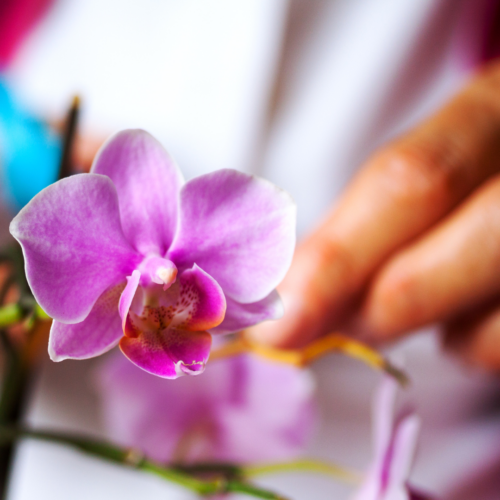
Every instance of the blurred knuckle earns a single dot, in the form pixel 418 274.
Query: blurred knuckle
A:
pixel 492 188
pixel 397 287
pixel 398 292
pixel 423 173
pixel 481 340
pixel 334 260
pixel 487 85
pixel 488 358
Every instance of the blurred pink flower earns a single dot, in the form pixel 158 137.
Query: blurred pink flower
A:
pixel 131 254
pixel 17 19
pixel 394 444
pixel 243 409
pixel 482 483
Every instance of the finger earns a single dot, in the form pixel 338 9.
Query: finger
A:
pixel 450 269
pixel 476 337
pixel 403 190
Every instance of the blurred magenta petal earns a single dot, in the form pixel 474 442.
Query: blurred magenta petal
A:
pixel 231 413
pixel 17 19
pixel 240 229
pixel 147 181
pixel 99 332
pixel 482 483
pixel 73 245
pixel 395 445
pixel 239 316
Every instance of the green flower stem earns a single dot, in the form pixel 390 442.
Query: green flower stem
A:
pixel 11 314
pixel 234 486
pixel 133 459
pixel 15 369
pixel 14 381
pixel 69 137
pixel 316 466
pixel 40 313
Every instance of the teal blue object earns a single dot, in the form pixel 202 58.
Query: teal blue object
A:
pixel 29 152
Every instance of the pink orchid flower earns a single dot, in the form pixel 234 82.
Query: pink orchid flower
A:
pixel 131 254
pixel 231 414
pixel 395 445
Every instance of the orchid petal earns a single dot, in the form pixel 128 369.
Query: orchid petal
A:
pixel 170 353
pixel 240 229
pixel 148 182
pixel 395 445
pixel 128 294
pixel 99 332
pixel 73 245
pixel 205 304
pixel 403 452
pixel 240 316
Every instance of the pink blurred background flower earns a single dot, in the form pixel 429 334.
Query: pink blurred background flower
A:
pixel 394 445
pixel 243 409
pixel 131 254
pixel 17 18
pixel 480 483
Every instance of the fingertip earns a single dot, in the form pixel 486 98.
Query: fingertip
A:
pixel 267 333
pixel 390 307
pixel 288 332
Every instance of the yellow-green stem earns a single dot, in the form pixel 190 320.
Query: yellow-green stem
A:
pixel 315 466
pixel 11 314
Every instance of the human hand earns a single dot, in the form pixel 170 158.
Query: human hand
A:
pixel 414 240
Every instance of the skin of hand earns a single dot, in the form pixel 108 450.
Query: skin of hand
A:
pixel 414 240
